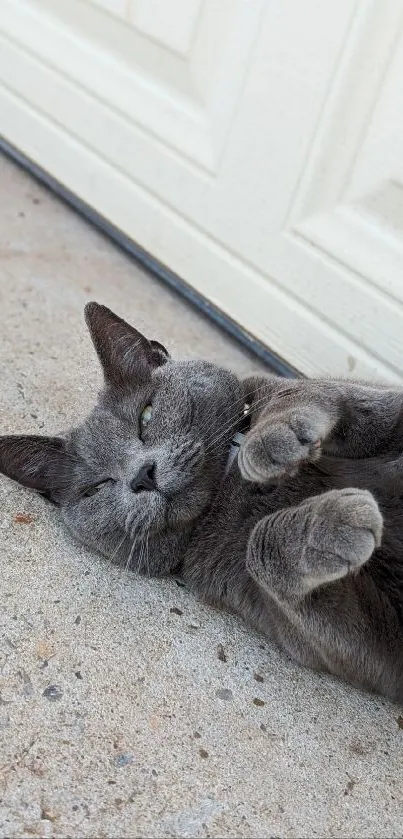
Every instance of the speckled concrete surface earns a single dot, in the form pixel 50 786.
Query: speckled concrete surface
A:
pixel 120 713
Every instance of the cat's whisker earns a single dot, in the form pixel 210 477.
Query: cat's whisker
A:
pixel 140 559
pixel 147 555
pixel 118 547
pixel 229 426
pixel 239 401
pixel 224 431
pixel 261 400
pixel 143 553
pixel 130 557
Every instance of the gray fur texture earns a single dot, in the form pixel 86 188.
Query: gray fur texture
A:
pixel 303 537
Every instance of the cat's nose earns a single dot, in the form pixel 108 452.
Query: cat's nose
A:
pixel 145 478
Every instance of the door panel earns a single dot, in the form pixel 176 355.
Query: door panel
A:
pixel 252 147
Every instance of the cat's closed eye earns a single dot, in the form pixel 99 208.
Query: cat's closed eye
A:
pixel 89 491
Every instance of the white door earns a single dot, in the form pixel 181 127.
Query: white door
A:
pixel 255 147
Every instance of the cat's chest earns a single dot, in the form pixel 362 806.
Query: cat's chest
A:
pixel 241 500
pixel 239 505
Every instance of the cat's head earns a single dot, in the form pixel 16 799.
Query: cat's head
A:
pixel 146 462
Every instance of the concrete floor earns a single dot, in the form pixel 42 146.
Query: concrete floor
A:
pixel 118 716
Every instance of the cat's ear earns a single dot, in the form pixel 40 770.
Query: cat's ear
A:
pixel 39 463
pixel 125 354
pixel 160 353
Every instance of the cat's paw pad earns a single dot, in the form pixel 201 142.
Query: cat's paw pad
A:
pixel 345 528
pixel 278 445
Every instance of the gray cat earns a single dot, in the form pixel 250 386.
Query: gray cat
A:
pixel 290 536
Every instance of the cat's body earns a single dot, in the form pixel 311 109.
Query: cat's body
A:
pixel 370 602
pixel 290 537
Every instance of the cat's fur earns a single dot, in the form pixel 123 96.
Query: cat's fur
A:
pixel 303 537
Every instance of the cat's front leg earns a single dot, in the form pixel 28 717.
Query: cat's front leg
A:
pixel 323 611
pixel 293 421
pixel 325 538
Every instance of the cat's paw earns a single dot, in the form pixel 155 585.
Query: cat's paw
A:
pixel 299 549
pixel 278 444
pixel 343 529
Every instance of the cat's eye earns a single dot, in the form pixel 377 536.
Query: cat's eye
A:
pixel 146 417
pixel 92 490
